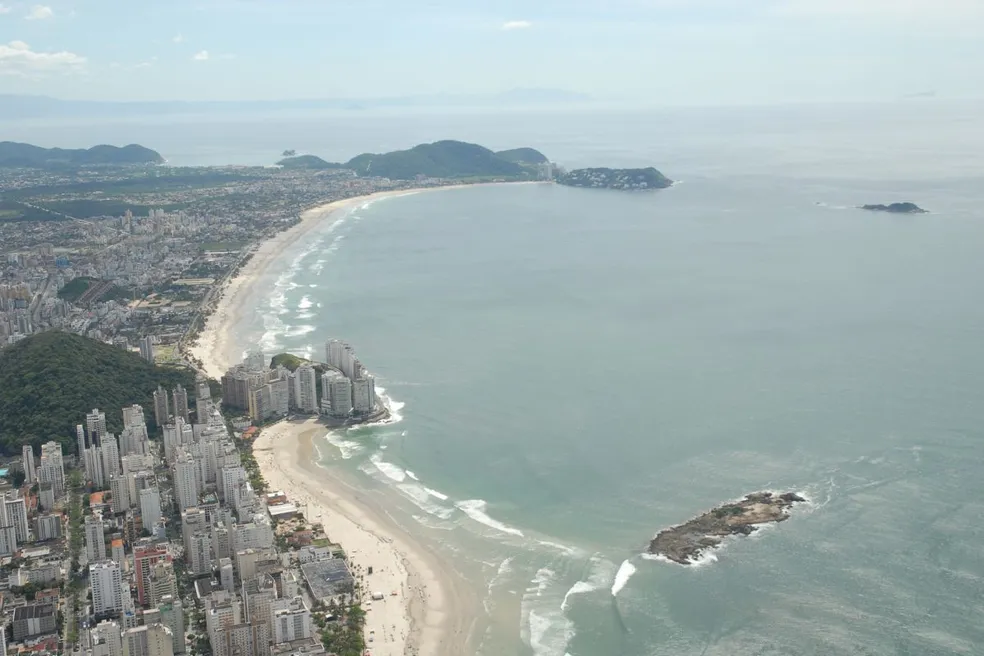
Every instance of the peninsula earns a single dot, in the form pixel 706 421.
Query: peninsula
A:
pixel 895 208
pixel 622 179
pixel 684 544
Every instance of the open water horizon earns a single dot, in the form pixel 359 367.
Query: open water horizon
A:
pixel 579 369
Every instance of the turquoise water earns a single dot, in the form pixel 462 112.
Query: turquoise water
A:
pixel 578 369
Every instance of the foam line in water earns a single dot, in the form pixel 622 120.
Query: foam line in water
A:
pixel 581 587
pixel 347 448
pixel 475 508
pixel 625 572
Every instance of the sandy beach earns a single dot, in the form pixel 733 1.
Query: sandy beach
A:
pixel 213 348
pixel 424 610
pixel 432 612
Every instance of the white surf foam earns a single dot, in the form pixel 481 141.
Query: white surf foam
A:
pixel 388 469
pixel 544 627
pixel 581 587
pixel 436 494
pixel 475 508
pixel 305 303
pixel 412 475
pixel 347 448
pixel 570 551
pixel 625 572
pixel 423 500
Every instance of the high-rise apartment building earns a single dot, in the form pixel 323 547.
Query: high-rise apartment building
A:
pixel 147 348
pixel 150 507
pixel 51 468
pixel 162 408
pixel 106 581
pixel 180 404
pixel 30 471
pixel 95 426
pixel 185 476
pixel 95 543
pixel 306 389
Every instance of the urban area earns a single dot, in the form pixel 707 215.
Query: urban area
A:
pixel 163 539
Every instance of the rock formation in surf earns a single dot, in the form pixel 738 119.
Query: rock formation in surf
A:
pixel 684 544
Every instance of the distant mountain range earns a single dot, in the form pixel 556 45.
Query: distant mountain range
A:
pixel 441 159
pixel 23 107
pixel 13 154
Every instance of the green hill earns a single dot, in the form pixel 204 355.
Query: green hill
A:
pixel 442 159
pixel 523 156
pixel 625 179
pixel 14 154
pixel 309 162
pixel 50 380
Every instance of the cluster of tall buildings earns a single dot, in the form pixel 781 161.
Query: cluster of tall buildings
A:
pixel 346 388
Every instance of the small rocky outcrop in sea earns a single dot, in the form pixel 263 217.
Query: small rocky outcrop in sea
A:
pixel 895 208
pixel 684 544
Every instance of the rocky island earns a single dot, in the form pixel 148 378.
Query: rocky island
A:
pixel 895 208
pixel 684 544
pixel 623 179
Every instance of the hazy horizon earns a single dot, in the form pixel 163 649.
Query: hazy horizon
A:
pixel 631 52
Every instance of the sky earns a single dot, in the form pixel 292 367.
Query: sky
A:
pixel 658 52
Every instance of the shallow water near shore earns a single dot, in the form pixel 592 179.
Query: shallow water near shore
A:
pixel 579 369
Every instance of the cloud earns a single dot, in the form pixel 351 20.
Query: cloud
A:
pixel 179 38
pixel 517 25
pixel 4 9
pixel 17 58
pixel 201 55
pixel 40 12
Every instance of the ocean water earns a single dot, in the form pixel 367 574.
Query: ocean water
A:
pixel 575 370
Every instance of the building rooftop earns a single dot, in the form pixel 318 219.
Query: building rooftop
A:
pixel 34 611
pixel 327 578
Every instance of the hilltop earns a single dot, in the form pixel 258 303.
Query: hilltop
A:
pixel 443 159
pixel 50 380
pixel 523 156
pixel 22 155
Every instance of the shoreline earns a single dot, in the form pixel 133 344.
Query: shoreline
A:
pixel 437 613
pixel 423 612
pixel 212 347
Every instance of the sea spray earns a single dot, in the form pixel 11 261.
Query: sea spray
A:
pixel 625 572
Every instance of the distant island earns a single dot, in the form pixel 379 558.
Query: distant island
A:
pixel 684 544
pixel 623 179
pixel 896 208
pixel 308 162
pixel 22 155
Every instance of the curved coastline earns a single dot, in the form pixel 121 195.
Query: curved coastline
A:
pixel 438 610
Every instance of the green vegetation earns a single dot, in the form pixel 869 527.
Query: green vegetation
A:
pixel 75 288
pixel 25 155
pixel 151 181
pixel 625 179
pixel 288 361
pixel 344 636
pixel 442 159
pixel 309 162
pixel 252 468
pixel 523 156
pixel 291 362
pixel 50 380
